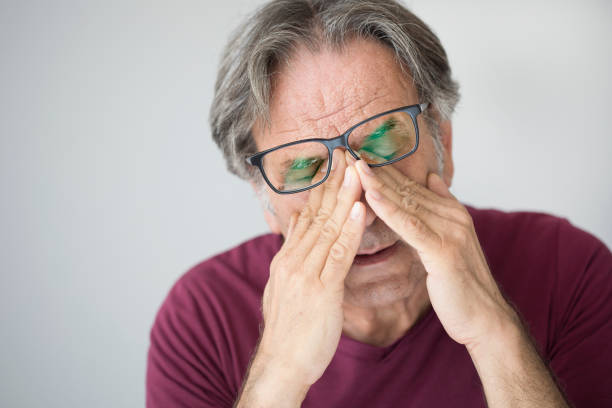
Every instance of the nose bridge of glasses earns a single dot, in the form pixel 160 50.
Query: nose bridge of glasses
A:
pixel 336 142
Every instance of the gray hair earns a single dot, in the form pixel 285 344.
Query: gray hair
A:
pixel 268 37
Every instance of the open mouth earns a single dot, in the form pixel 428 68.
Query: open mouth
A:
pixel 376 257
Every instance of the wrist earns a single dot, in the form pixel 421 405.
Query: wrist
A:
pixel 504 334
pixel 272 383
pixel 510 367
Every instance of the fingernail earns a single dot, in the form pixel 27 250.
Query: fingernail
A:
pixel 347 177
pixel 334 163
pixel 349 157
pixel 333 167
pixel 366 169
pixel 355 210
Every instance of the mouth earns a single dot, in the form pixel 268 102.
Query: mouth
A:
pixel 375 256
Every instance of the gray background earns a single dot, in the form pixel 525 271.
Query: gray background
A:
pixel 112 188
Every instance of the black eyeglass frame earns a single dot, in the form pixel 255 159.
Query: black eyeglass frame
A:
pixel 340 141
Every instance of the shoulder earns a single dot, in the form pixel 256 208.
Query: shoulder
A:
pixel 558 275
pixel 508 224
pixel 236 275
pixel 248 262
pixel 533 233
pixel 224 288
pixel 207 326
pixel 538 255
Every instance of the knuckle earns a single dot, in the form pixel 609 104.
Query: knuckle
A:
pixel 306 213
pixel 405 189
pixel 397 211
pixel 464 217
pixel 330 229
pixel 459 233
pixel 409 203
pixel 322 216
pixel 406 185
pixel 415 224
pixel 338 252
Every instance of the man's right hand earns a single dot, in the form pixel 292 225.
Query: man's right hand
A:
pixel 302 301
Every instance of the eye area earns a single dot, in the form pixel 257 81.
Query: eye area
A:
pixel 382 144
pixel 301 172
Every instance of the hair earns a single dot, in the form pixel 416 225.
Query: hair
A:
pixel 268 37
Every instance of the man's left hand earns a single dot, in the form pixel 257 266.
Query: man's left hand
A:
pixel 461 288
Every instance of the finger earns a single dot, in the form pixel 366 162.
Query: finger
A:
pixel 438 186
pixel 392 175
pixel 402 199
pixel 343 250
pixel 329 193
pixel 292 222
pixel 331 186
pixel 347 196
pixel 309 211
pixel 408 225
pixel 350 160
pixel 406 192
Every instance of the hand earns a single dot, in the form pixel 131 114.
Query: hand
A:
pixel 302 301
pixel 461 288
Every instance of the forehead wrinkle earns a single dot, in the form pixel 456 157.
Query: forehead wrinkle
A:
pixel 351 117
pixel 359 108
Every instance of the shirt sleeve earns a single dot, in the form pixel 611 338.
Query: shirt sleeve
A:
pixel 183 365
pixel 581 356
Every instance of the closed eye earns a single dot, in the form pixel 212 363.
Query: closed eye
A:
pixel 380 143
pixel 301 172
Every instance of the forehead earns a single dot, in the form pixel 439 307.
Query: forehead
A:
pixel 322 93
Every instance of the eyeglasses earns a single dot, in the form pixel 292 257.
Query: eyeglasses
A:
pixel 304 164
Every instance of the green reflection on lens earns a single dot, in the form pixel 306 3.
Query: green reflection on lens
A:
pixel 381 145
pixel 301 172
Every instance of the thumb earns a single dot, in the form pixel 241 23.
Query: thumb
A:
pixel 438 186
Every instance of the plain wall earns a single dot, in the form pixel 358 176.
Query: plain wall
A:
pixel 112 187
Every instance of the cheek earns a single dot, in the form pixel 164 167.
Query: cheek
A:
pixel 286 205
pixel 421 163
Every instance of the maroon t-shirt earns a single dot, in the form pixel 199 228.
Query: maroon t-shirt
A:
pixel 557 276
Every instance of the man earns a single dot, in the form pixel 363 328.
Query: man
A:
pixel 378 287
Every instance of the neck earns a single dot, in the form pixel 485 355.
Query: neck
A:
pixel 382 325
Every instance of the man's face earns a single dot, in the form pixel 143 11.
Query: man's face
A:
pixel 321 95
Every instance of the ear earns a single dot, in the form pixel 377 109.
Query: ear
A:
pixel 268 215
pixel 446 136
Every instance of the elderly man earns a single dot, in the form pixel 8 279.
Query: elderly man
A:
pixel 378 287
